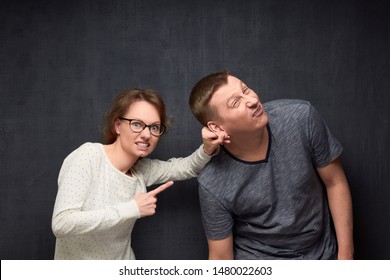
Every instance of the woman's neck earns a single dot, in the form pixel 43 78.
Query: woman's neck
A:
pixel 119 158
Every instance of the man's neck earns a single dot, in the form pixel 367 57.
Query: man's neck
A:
pixel 250 147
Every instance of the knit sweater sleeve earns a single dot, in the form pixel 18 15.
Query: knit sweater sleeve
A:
pixel 157 171
pixel 75 181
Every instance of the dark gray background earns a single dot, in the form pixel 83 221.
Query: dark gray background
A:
pixel 62 62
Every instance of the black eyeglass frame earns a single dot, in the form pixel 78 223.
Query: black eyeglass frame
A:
pixel 162 127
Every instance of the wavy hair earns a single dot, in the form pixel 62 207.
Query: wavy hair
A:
pixel 121 104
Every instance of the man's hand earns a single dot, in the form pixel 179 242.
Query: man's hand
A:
pixel 147 201
pixel 213 139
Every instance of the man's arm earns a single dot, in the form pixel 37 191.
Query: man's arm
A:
pixel 340 204
pixel 221 249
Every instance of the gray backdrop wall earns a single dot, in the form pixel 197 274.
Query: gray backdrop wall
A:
pixel 62 62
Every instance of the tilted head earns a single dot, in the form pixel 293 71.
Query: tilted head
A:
pixel 223 102
pixel 202 93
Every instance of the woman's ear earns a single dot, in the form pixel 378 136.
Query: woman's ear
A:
pixel 116 126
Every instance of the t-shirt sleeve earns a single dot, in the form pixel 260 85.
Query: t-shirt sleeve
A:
pixel 217 221
pixel 325 147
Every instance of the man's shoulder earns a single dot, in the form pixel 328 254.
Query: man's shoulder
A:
pixel 218 167
pixel 286 104
pixel 288 109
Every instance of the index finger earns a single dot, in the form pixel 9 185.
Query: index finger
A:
pixel 161 188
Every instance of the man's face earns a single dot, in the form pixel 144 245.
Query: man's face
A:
pixel 238 108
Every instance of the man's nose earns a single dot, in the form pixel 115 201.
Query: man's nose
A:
pixel 252 101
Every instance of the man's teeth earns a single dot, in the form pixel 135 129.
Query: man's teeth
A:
pixel 142 144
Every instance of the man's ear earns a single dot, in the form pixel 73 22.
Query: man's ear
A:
pixel 215 127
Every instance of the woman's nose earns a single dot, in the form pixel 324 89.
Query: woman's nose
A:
pixel 145 134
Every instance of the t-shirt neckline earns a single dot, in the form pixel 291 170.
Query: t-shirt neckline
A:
pixel 258 161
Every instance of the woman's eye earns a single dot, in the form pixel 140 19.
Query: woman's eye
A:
pixel 155 128
pixel 136 124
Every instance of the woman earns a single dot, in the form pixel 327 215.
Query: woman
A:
pixel 101 188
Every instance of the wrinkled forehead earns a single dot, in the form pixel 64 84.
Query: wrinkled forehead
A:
pixel 224 92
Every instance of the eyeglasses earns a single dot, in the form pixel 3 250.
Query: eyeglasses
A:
pixel 138 126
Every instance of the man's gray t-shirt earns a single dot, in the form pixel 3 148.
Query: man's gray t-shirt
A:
pixel 275 208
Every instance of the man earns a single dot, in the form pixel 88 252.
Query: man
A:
pixel 268 193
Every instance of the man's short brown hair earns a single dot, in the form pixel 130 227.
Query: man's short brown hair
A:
pixel 201 94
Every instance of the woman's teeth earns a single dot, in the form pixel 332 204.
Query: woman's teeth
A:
pixel 142 144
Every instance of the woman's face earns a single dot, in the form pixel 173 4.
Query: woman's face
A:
pixel 138 144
